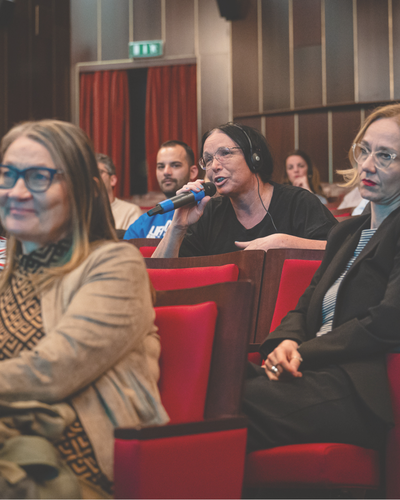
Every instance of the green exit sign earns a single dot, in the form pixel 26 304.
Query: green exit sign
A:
pixel 152 48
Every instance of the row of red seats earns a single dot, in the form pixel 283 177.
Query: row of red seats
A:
pixel 182 461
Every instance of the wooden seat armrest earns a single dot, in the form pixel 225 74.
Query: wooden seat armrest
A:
pixel 183 429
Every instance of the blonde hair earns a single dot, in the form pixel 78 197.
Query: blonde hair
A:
pixel 91 217
pixel 389 111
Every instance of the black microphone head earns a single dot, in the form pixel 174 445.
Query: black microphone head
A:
pixel 209 188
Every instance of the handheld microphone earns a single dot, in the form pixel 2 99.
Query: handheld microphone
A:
pixel 183 199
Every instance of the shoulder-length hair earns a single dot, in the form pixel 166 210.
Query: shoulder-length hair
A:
pixel 389 111
pixel 313 176
pixel 91 217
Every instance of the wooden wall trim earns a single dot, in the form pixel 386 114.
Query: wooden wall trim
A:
pixel 330 107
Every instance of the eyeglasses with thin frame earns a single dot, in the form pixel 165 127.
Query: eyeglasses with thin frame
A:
pixel 383 159
pixel 37 179
pixel 223 155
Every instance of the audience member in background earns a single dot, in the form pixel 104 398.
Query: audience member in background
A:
pixel 300 171
pixel 77 322
pixel 354 201
pixel 251 212
pixel 175 167
pixel 124 213
pixel 324 376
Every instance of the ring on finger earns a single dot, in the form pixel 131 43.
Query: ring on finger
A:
pixel 274 369
pixel 298 357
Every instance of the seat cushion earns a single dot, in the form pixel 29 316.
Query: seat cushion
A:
pixel 313 464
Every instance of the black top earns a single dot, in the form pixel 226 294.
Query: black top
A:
pixel 367 313
pixel 294 210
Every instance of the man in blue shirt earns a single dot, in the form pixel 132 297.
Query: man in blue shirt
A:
pixel 175 168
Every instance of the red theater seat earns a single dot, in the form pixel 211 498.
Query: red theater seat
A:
pixel 271 284
pixel 250 264
pixel 146 246
pixel 311 465
pixel 147 251
pixel 295 278
pixel 183 380
pixel 173 279
pixel 203 354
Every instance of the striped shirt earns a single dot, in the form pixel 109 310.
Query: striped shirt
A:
pixel 329 302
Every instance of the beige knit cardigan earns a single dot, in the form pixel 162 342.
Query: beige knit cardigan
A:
pixel 100 351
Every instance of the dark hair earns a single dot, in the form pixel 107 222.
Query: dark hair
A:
pixel 312 172
pixel 258 145
pixel 107 162
pixel 188 149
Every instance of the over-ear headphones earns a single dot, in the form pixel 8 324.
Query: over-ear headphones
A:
pixel 255 159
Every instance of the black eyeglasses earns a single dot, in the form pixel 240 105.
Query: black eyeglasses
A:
pixel 37 179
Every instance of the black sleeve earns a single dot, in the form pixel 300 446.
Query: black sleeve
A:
pixel 294 324
pixel 310 218
pixel 368 334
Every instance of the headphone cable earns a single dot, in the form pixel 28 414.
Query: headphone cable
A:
pixel 262 203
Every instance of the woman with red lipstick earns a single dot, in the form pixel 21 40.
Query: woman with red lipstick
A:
pixel 331 349
pixel 300 171
pixel 78 346
pixel 252 211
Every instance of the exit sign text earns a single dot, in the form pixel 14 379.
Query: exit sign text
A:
pixel 152 48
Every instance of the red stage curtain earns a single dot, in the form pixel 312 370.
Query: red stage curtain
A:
pixel 171 112
pixel 104 116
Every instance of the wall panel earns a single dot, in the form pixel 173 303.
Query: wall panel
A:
pixel 217 114
pixel 114 20
pixel 275 54
pixel 339 51
pixel 306 23
pixel 245 62
pixel 83 31
pixel 373 50
pixel 313 139
pixel 345 125
pixel 3 81
pixel 307 76
pixel 307 53
pixel 179 35
pixel 215 66
pixel 62 60
pixel 214 30
pixel 19 72
pixel 42 63
pixel 279 132
pixel 255 122
pixel 396 47
pixel 146 20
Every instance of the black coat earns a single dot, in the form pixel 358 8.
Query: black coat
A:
pixel 366 322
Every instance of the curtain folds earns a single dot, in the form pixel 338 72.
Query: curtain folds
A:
pixel 104 116
pixel 171 112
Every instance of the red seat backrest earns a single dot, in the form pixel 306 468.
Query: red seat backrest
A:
pixel 187 336
pixel 147 251
pixel 174 279
pixel 295 277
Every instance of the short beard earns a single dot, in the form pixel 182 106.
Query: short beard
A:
pixel 171 194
